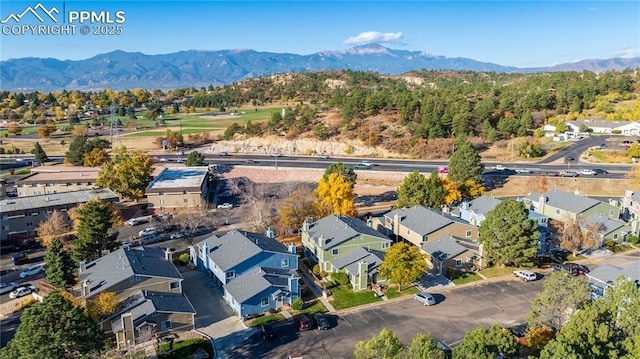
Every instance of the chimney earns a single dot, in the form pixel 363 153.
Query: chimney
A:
pixel 396 224
pixel 168 255
pixel 306 224
pixel 292 248
pixel 270 233
pixel 83 266
pixel 321 241
pixel 445 209
pixel 465 205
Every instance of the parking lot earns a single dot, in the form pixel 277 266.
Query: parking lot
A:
pixel 458 310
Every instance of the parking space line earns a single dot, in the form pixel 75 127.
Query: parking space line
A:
pixel 346 321
pixel 361 316
pixel 378 315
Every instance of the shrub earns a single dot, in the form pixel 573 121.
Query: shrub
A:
pixel 610 244
pixel 323 274
pixel 272 311
pixel 183 259
pixel 316 269
pixel 297 303
pixel 340 277
pixel 634 239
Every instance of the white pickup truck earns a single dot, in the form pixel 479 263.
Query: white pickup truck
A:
pixel 498 168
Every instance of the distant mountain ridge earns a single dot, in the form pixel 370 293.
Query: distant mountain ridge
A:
pixel 120 70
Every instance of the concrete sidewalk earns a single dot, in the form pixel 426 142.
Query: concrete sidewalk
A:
pixel 316 290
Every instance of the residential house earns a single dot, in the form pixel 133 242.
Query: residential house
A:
pixel 607 228
pixel 476 211
pixel 627 128
pixel 256 271
pixel 179 187
pixel 452 252
pixel 361 266
pixel 602 277
pixel 420 225
pixel 331 237
pixel 631 210
pixel 148 288
pixel 57 179
pixel 21 216
pixel 564 206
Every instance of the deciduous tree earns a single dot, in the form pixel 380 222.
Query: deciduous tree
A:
pixel 452 192
pixel 471 189
pixel 195 158
pixel 422 347
pixel 54 329
pixel 95 218
pixel 95 157
pixel 53 226
pixel 385 345
pixel 403 264
pixel 537 338
pixel 46 130
pixel 60 269
pixel 487 344
pixel 128 173
pixel 14 128
pixel 465 163
pixel 563 294
pixel 508 235
pixel 295 209
pixel 104 305
pixel 335 195
pixel 39 155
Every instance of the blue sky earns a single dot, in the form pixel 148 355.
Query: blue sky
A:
pixel 514 33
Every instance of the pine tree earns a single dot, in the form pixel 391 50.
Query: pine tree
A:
pixel 347 173
pixel 60 267
pixel 195 158
pixel 465 163
pixel 95 218
pixel 76 151
pixel 40 155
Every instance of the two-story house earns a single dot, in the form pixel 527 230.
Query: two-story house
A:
pixel 606 275
pixel 148 288
pixel 329 239
pixel 631 210
pixel 564 206
pixel 256 271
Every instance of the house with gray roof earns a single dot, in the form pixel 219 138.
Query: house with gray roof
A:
pixel 256 271
pixel 626 128
pixel 452 253
pixel 564 206
pixel 631 210
pixel 606 275
pixel 420 225
pixel 607 228
pixel 148 288
pixel 333 236
pixel 361 266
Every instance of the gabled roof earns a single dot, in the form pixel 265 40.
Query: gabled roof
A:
pixel 595 123
pixel 632 271
pixel 608 224
pixel 422 220
pixel 338 229
pixel 123 263
pixel 483 204
pixel 234 247
pixel 569 202
pixel 444 248
pixel 605 273
pixel 258 280
pixel 143 304
pixel 350 260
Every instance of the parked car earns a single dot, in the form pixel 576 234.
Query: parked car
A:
pixel 23 290
pixel 31 270
pixel 177 235
pixel 424 298
pixel 581 269
pixel 321 321
pixel 267 332
pixel 304 323
pixel 7 287
pixel 525 275
pixel 20 258
pixel 225 205
pixel 133 222
pixel 148 231
pixel 149 239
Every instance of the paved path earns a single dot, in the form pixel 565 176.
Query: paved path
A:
pixel 316 290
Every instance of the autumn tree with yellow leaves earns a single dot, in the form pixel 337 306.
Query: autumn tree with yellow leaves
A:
pixel 54 226
pixel 302 203
pixel 127 174
pixel 105 304
pixel 335 196
pixel 95 157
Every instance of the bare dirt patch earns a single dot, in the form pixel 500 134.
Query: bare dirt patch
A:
pixel 584 186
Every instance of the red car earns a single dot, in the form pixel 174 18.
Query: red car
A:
pixel 304 323
pixel 580 269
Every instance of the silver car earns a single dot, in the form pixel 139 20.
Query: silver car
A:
pixel 425 298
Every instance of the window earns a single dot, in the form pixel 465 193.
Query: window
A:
pixel 162 201
pixel 335 251
pixel 34 185
pixel 35 193
pixel 160 193
pixel 615 236
pixel 23 193
pixel 5 227
pixel 29 224
pixel 285 263
pixel 458 263
pixel 468 234
pixel 543 220
pixel 231 274
pixel 185 200
pixel 265 301
pixel 385 245
pixel 557 211
pixel 610 213
pixel 166 325
pixel 174 285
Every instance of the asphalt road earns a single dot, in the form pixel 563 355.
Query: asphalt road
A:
pixel 458 310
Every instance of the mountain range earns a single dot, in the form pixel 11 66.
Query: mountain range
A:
pixel 119 70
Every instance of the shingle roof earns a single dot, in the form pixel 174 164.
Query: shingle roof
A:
pixel 609 225
pixel 566 201
pixel 600 123
pixel 122 263
pixel 444 248
pixel 422 220
pixel 55 199
pixel 235 247
pixel 632 271
pixel 605 273
pixel 350 260
pixel 483 204
pixel 256 281
pixel 338 229
pixel 145 303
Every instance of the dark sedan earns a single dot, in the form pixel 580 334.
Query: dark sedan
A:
pixel 321 321
pixel 267 332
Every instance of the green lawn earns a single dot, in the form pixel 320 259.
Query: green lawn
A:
pixel 316 307
pixel 185 131
pixel 497 272
pixel 462 278
pixel 185 348
pixel 394 293
pixel 623 247
pixel 270 318
pixel 345 297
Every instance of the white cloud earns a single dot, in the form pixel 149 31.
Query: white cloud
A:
pixel 628 52
pixel 369 37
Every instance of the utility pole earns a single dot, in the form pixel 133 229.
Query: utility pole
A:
pixel 114 131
